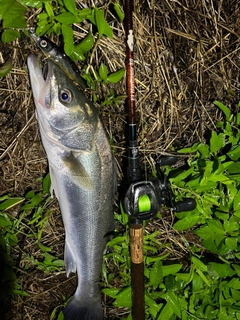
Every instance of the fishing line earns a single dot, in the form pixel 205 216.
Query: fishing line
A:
pixel 144 203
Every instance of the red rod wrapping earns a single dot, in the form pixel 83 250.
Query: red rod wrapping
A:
pixel 130 61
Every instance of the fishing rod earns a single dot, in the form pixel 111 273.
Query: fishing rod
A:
pixel 133 173
pixel 143 198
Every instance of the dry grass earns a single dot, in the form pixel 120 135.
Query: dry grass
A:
pixel 187 54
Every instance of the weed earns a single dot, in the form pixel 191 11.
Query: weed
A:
pixel 208 287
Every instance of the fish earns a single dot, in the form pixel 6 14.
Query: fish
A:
pixel 57 55
pixel 81 168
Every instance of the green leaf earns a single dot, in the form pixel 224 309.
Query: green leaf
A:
pixel 171 269
pixel 234 284
pixel 217 142
pixel 237 118
pixel 103 71
pixel 12 14
pixel 86 44
pixel 186 222
pixel 9 203
pixel 66 17
pixel 231 226
pixel 4 221
pixel 10 35
pixel 67 32
pixel 153 306
pixel 45 27
pixel 85 14
pixel 12 239
pixel 111 292
pixel 116 76
pixel 203 277
pixel 210 200
pixel 77 54
pixel 222 269
pixel 203 149
pixel 71 6
pixel 231 243
pixel 172 300
pixel 197 283
pixel 43 248
pixel 237 213
pixel 102 25
pixel 199 264
pixel 192 149
pixel 205 233
pixel 46 183
pixel 183 175
pixel 5 68
pixel 166 312
pixel 119 11
pixel 234 153
pixel 216 226
pixel 224 109
pixel 156 274
pixel 33 3
pixel 124 298
pixel 49 9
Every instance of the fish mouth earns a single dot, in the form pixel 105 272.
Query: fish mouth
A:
pixel 34 36
pixel 40 79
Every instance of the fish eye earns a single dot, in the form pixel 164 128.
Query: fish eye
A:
pixel 66 96
pixel 43 43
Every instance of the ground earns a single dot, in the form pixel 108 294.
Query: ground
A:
pixel 187 54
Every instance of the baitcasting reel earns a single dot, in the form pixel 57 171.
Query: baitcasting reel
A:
pixel 144 198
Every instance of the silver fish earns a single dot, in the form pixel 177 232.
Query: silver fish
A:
pixel 82 177
pixel 54 53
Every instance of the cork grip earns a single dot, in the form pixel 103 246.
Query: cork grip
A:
pixel 136 244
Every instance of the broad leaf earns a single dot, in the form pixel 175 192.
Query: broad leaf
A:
pixel 12 14
pixel 67 32
pixel 116 76
pixel 66 17
pixel 9 203
pixel 5 68
pixel 166 312
pixel 10 35
pixel 231 243
pixel 217 142
pixel 234 154
pixel 222 269
pixel 86 44
pixel 71 6
pixel 171 269
pixel 172 300
pixel 103 71
pixel 102 25
pixel 186 222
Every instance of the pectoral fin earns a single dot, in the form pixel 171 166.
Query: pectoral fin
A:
pixel 78 173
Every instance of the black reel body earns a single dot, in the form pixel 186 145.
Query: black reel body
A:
pixel 158 192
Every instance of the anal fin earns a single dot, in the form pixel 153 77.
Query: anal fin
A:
pixel 70 263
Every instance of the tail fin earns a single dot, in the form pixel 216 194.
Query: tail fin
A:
pixel 76 310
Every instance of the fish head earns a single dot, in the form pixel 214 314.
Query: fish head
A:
pixel 64 114
pixel 57 55
pixel 47 46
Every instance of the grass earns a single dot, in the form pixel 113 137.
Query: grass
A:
pixel 187 56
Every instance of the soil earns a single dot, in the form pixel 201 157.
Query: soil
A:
pixel 187 54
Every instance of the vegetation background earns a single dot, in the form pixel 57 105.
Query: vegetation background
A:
pixel 186 56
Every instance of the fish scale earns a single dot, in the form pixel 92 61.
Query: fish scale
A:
pixel 82 177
